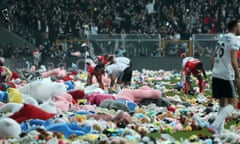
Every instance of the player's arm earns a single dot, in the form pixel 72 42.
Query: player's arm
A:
pixel 235 63
pixel 204 72
pixel 213 59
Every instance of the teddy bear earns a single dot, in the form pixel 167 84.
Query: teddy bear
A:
pixel 14 95
pixel 10 107
pixel 43 90
pixel 3 96
pixel 49 106
pixel 137 95
pixel 28 111
pixel 9 128
pixel 98 98
pixel 111 104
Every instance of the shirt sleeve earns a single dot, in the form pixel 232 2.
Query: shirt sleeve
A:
pixel 108 70
pixel 235 44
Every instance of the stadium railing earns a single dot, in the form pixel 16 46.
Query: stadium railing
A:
pixel 204 44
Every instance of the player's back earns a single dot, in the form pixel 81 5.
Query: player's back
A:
pixel 222 65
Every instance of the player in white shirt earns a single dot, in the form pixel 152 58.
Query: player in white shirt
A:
pixel 119 70
pixel 225 75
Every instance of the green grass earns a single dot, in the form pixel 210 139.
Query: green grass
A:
pixel 181 134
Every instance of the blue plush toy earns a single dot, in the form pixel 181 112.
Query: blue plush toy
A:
pixel 3 96
pixel 180 86
pixel 69 85
pixel 131 105
pixel 69 129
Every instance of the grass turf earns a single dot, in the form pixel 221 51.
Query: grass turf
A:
pixel 181 134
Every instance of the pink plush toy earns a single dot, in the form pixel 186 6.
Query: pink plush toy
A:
pixel 92 108
pixel 139 94
pixel 62 104
pixel 126 94
pixel 105 79
pixel 57 72
pixel 98 98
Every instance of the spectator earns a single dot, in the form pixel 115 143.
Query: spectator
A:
pixel 121 51
pixel 207 52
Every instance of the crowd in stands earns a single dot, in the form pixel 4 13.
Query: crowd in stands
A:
pixel 173 19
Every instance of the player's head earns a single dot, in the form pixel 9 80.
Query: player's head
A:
pixel 183 55
pixel 110 59
pixel 199 66
pixel 99 69
pixel 234 27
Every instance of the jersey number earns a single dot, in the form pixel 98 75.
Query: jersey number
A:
pixel 220 50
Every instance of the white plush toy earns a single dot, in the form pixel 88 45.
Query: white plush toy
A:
pixel 49 106
pixel 29 100
pixel 78 85
pixel 10 108
pixel 9 128
pixel 94 88
pixel 43 90
pixel 58 89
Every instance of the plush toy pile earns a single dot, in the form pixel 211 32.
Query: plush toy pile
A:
pixel 61 109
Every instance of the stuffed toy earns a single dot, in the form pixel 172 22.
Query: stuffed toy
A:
pixel 69 129
pixel 69 85
pixel 122 117
pixel 10 107
pixel 59 89
pixel 159 101
pixel 14 95
pixel 78 85
pixel 43 90
pixel 137 95
pixel 29 111
pixel 5 85
pixel 3 96
pixel 49 106
pixel 90 138
pixel 142 130
pixel 57 72
pixel 98 98
pixel 89 108
pixel 111 104
pixel 62 104
pixel 94 88
pixel 9 128
pixel 29 100
pixel 131 105
pixel 187 129
pixel 77 94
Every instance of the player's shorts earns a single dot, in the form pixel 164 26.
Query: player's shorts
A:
pixel 126 75
pixel 223 88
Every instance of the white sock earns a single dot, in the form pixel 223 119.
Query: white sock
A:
pixel 221 125
pixel 222 115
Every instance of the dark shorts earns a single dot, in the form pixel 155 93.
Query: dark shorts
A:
pixel 126 75
pixel 223 88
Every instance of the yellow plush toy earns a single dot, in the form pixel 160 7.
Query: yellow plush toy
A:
pixel 14 95
pixel 187 128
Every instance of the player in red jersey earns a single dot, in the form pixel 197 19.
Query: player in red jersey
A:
pixel 193 66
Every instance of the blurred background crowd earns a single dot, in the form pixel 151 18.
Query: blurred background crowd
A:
pixel 43 22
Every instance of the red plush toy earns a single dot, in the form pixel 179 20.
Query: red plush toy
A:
pixel 77 94
pixel 29 111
